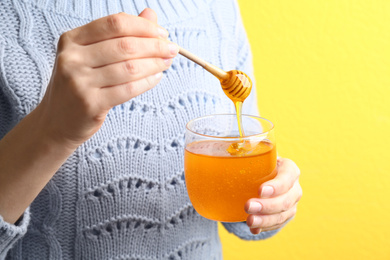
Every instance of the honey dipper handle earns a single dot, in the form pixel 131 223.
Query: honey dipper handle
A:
pixel 220 74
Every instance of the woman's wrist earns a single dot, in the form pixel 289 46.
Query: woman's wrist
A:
pixel 49 130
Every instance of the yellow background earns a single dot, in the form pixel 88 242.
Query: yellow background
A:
pixel 323 76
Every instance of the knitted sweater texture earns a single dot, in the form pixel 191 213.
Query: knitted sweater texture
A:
pixel 121 195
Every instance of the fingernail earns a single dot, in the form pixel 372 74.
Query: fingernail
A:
pixel 167 61
pixel 158 75
pixel 163 33
pixel 256 221
pixel 267 192
pixel 173 49
pixel 254 207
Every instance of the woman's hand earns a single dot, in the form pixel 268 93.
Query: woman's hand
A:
pixel 98 66
pixel 278 199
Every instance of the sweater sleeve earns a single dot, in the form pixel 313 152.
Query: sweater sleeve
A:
pixel 11 233
pixel 241 230
pixel 244 63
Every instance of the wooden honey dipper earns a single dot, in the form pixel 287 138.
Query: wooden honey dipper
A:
pixel 236 84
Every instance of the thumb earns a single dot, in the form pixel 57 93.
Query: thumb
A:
pixel 287 174
pixel 149 14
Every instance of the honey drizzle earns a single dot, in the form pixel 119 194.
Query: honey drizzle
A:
pixel 237 86
pixel 238 106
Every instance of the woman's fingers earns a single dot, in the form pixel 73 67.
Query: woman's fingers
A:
pixel 127 48
pixel 275 205
pixel 278 200
pixel 114 26
pixel 257 231
pixel 119 94
pixel 269 222
pixel 100 65
pixel 128 71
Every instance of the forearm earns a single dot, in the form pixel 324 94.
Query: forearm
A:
pixel 29 157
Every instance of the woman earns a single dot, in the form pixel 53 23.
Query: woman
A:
pixel 92 169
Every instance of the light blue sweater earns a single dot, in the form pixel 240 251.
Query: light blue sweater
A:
pixel 121 195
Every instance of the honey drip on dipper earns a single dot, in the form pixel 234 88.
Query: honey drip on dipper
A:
pixel 237 86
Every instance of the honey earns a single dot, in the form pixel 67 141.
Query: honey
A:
pixel 219 183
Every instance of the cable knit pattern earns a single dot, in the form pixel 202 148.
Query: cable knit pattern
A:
pixel 121 195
